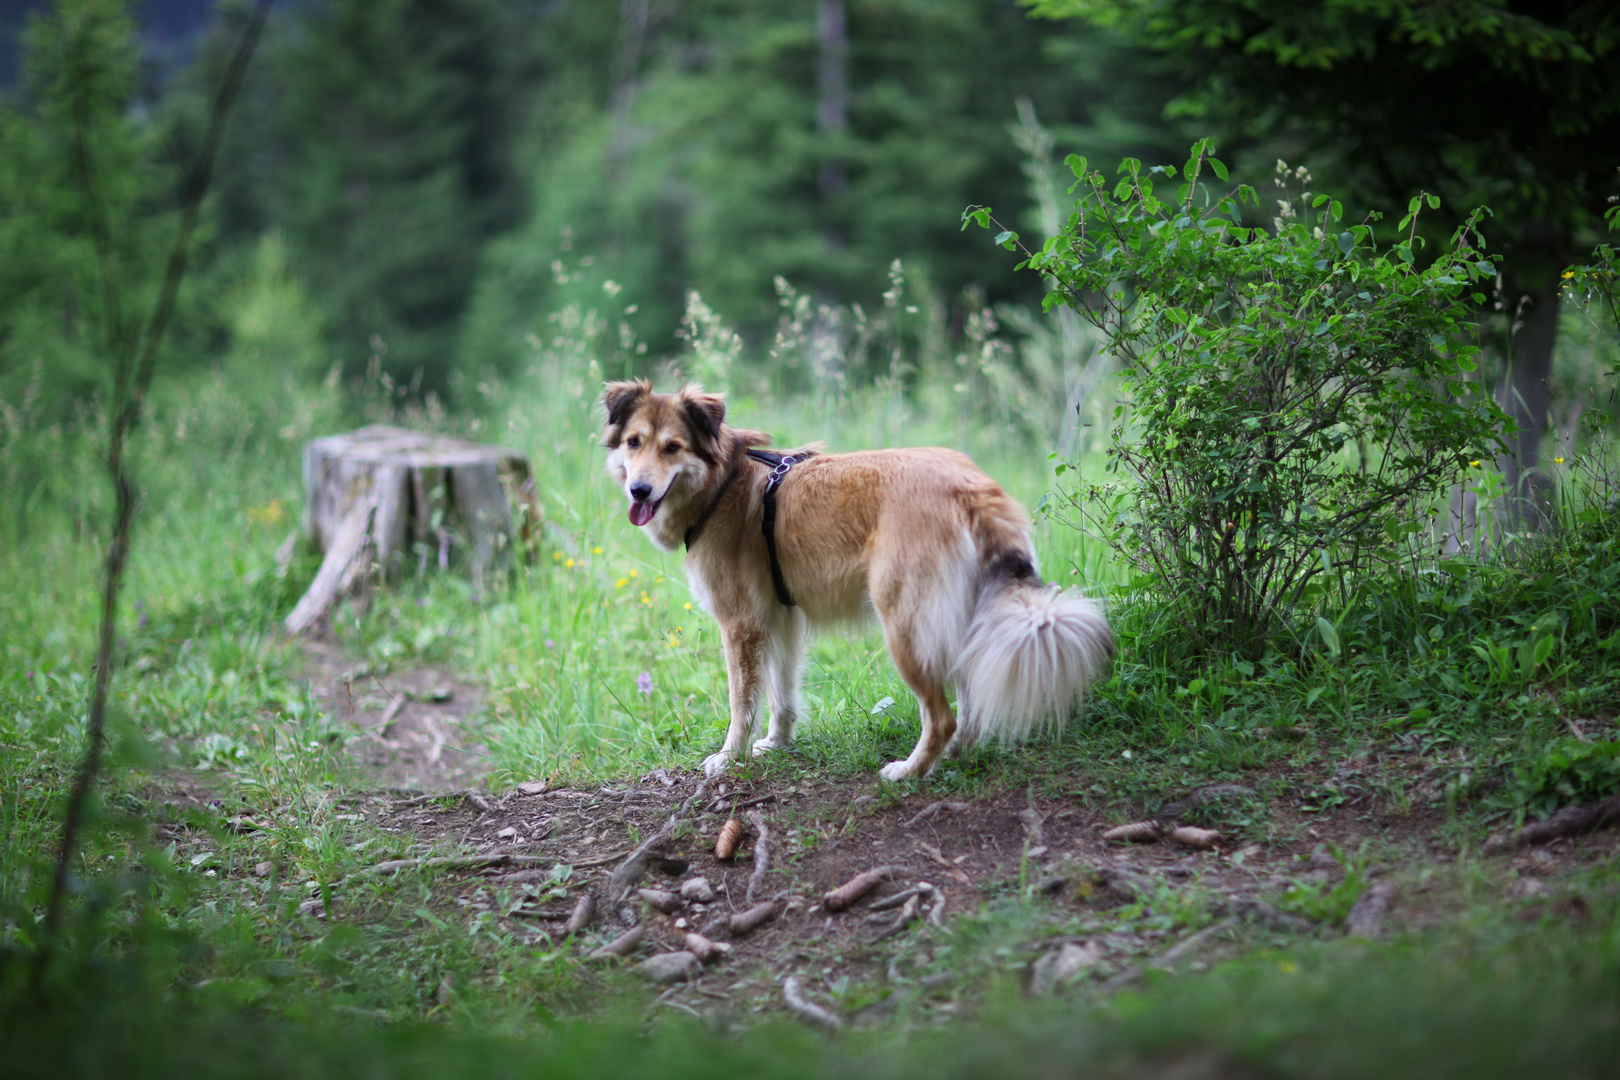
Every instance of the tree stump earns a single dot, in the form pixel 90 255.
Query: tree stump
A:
pixel 376 497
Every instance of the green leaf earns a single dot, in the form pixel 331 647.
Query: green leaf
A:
pixel 1219 169
pixel 1433 201
pixel 1329 636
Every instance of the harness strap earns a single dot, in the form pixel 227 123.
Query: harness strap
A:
pixel 780 465
pixel 767 522
pixel 696 527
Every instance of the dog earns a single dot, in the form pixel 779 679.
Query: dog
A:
pixel 920 538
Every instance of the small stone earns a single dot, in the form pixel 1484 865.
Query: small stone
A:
pixel 680 924
pixel 534 787
pixel 508 833
pixel 1062 965
pixel 264 869
pixel 441 693
pixel 698 890
pixel 671 967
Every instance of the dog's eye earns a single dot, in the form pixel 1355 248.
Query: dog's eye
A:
pixel 673 448
pixel 633 442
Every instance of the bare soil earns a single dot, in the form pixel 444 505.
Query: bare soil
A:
pixel 504 853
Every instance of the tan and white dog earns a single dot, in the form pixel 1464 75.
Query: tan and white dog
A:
pixel 920 538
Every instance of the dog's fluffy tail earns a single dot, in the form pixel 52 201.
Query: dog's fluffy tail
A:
pixel 1031 654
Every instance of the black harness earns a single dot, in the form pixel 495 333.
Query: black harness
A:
pixel 780 465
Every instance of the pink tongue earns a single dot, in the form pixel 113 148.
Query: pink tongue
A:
pixel 642 512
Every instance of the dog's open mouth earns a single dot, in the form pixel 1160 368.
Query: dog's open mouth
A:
pixel 642 512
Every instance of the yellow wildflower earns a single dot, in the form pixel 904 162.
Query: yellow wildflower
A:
pixel 1558 461
pixel 596 551
pixel 621 583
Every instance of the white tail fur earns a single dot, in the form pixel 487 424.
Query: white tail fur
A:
pixel 1031 654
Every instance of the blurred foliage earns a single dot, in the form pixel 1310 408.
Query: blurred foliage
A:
pixel 428 179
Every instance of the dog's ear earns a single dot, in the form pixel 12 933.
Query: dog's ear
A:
pixel 705 413
pixel 619 399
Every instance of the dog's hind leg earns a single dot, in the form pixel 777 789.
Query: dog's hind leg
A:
pixel 938 722
pixel 745 648
pixel 784 665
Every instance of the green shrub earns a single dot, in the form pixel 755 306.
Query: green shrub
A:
pixel 1294 398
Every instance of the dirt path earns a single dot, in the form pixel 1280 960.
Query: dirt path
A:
pixel 418 724
pixel 1031 863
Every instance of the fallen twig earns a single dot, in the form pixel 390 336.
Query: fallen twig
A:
pixel 856 887
pixel 808 1010
pixel 395 705
pixel 934 808
pixel 746 922
pixel 762 854
pixel 908 912
pixel 704 949
pixel 936 905
pixel 1193 943
pixel 1277 919
pixel 469 794
pixel 456 862
pixel 894 901
pixel 635 865
pixel 1366 918
pixel 720 805
pixel 1137 832
pixel 1193 837
pixel 661 900
pixel 1570 821
pixel 623 944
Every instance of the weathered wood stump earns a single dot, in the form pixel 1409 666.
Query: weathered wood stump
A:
pixel 379 497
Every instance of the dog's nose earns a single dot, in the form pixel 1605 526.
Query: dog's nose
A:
pixel 641 491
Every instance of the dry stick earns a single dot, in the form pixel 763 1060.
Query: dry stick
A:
pixel 129 395
pixel 1366 918
pixel 807 1010
pixel 934 808
pixel 745 922
pixel 623 944
pixel 856 887
pixel 894 901
pixel 1570 821
pixel 762 854
pixel 631 870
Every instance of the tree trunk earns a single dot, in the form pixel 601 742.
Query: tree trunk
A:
pixel 375 496
pixel 832 115
pixel 1524 394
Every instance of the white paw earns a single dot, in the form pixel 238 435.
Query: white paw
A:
pixel 896 771
pixel 715 764
pixel 765 746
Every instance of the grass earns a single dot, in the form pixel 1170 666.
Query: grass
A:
pixel 1476 670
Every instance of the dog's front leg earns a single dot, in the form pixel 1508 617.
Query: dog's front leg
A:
pixel 745 657
pixel 783 668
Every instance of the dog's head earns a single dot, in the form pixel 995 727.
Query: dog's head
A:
pixel 662 448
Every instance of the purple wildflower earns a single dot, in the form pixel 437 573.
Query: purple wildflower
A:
pixel 644 683
pixel 550 644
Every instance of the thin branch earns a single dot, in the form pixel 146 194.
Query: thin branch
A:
pixel 129 394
